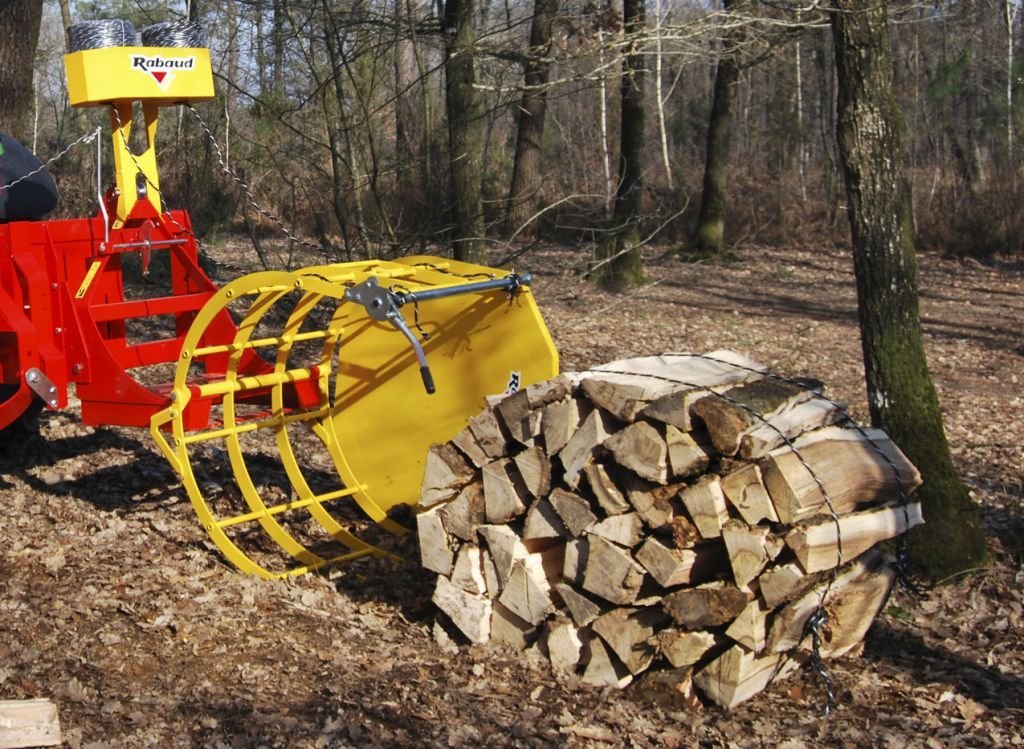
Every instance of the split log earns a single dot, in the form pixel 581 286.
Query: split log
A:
pixel 686 456
pixel 469 612
pixel 856 595
pixel 562 644
pixel 706 504
pixel 749 628
pixel 445 472
pixel 487 433
pixel 603 668
pixel 817 546
pixel 543 522
pixel 623 530
pixel 738 674
pixel 463 515
pixel 29 723
pixel 611 572
pixel 652 502
pixel 527 593
pixel 574 564
pixel 559 422
pixel 509 629
pixel 708 606
pixel 852 467
pixel 501 500
pixel 627 632
pixel 579 451
pixel 606 492
pixel 467 572
pixel 436 552
pixel 534 468
pixel 505 547
pixel 787 424
pixel 573 509
pixel 683 648
pixel 582 609
pixel 744 488
pixel 642 450
pixel 731 415
pixel 521 422
pixel 469 447
pixel 781 584
pixel 672 567
pixel 550 391
pixel 748 549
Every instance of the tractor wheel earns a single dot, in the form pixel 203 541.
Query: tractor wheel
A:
pixel 27 421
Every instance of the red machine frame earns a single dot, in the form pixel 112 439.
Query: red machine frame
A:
pixel 64 316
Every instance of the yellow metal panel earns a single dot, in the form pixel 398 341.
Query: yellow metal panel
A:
pixel 159 74
pixel 374 419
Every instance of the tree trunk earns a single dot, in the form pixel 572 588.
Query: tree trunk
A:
pixel 465 131
pixel 526 173
pixel 620 265
pixel 19 34
pixel 709 237
pixel 901 396
pixel 406 137
pixel 65 18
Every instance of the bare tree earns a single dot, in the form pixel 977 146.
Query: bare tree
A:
pixel 465 130
pixel 526 170
pixel 901 396
pixel 19 35
pixel 620 265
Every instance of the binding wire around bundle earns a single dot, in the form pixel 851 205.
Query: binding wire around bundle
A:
pixel 174 34
pixel 100 34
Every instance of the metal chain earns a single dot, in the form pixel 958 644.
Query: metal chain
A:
pixel 248 193
pixel 812 628
pixel 87 138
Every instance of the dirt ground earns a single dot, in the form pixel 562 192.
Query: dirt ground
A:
pixel 114 604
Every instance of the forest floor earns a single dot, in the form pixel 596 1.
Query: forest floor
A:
pixel 114 604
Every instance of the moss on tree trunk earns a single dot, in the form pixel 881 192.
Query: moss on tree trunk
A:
pixel 901 396
pixel 620 263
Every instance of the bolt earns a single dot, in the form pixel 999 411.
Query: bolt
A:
pixel 32 377
pixel 58 331
pixel 52 390
pixel 77 369
pixel 53 403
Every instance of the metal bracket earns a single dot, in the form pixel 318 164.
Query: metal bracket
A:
pixel 42 386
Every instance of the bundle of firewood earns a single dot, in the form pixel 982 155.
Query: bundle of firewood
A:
pixel 690 511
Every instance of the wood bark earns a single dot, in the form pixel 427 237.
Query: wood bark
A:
pixel 19 34
pixel 901 396
pixel 709 235
pixel 524 190
pixel 29 723
pixel 465 131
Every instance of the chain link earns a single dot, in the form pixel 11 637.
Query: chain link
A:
pixel 248 193
pixel 87 138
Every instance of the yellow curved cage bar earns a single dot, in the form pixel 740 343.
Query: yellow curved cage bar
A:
pixel 320 403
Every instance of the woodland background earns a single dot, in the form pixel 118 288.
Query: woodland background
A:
pixel 358 161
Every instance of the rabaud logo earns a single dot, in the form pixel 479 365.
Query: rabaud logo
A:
pixel 162 69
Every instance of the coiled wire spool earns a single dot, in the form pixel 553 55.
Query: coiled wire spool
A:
pixel 174 34
pixel 99 34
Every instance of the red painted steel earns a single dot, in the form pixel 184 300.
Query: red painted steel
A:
pixel 64 311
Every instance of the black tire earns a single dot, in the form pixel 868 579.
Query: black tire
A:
pixel 28 422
